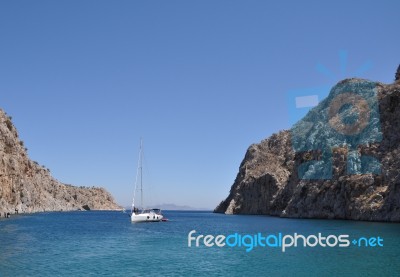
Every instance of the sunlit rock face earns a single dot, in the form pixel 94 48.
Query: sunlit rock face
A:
pixel 27 187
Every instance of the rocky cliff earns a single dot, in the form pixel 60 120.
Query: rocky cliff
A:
pixel 340 161
pixel 28 187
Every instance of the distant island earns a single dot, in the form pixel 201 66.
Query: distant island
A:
pixel 27 187
pixel 334 163
pixel 173 207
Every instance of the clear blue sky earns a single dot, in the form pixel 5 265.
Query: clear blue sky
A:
pixel 199 80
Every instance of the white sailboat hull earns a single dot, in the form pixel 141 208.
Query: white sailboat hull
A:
pixel 146 217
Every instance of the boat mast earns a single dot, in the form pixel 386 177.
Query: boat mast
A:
pixel 141 173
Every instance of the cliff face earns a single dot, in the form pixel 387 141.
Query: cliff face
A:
pixel 325 166
pixel 29 187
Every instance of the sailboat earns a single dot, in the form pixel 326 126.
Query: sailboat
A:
pixel 141 214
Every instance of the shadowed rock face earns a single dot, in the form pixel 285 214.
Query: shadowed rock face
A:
pixel 274 176
pixel 28 187
pixel 397 76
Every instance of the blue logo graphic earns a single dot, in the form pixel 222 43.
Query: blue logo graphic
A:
pixel 347 118
pixel 300 101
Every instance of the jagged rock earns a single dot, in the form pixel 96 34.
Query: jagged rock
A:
pixel 278 175
pixel 397 76
pixel 27 187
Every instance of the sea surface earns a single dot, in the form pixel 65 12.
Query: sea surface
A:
pixel 108 244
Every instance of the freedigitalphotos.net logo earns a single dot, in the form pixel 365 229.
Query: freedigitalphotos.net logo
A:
pixel 347 118
pixel 280 241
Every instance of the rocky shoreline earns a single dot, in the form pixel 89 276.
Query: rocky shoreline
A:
pixel 360 179
pixel 27 187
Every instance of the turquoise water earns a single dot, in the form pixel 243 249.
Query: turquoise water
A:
pixel 108 244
